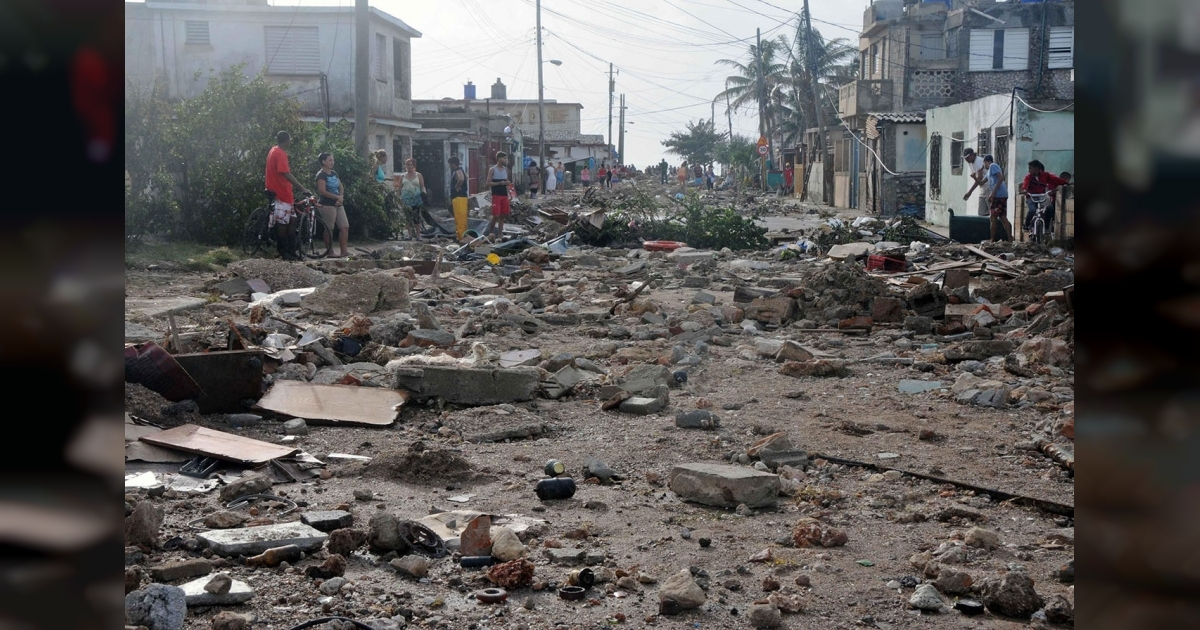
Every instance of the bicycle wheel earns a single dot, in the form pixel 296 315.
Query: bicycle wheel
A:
pixel 255 233
pixel 310 238
pixel 1039 231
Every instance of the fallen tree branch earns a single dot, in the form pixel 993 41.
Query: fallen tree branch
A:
pixel 1060 455
pixel 1052 507
pixel 629 298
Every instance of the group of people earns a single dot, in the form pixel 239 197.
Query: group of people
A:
pixel 330 196
pixel 984 172
pixel 696 174
pixel 555 176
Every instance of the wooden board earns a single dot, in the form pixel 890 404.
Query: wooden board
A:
pixel 227 446
pixel 342 404
pixel 987 256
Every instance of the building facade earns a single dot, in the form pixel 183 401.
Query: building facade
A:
pixel 311 48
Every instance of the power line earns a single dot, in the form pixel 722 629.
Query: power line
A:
pixel 1044 111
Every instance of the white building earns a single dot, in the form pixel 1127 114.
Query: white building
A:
pixel 310 48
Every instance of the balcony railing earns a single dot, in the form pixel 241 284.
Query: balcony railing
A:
pixel 864 97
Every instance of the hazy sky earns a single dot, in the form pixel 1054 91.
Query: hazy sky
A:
pixel 664 51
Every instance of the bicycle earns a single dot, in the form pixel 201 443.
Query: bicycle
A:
pixel 259 232
pixel 1037 232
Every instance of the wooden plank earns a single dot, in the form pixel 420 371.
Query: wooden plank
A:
pixel 227 446
pixel 930 269
pixel 987 256
pixel 341 404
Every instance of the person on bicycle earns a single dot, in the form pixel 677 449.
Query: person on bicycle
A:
pixel 997 198
pixel 1038 182
pixel 330 208
pixel 279 180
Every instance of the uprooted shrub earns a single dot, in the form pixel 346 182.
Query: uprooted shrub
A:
pixel 699 225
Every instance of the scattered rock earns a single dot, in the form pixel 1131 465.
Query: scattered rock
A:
pixel 816 368
pixel 512 575
pixel 225 519
pixel 765 616
pixel 506 547
pixel 953 582
pixel 142 526
pixel 220 584
pixel 786 603
pixel 926 597
pixel 724 486
pixel 344 541
pixel 1012 595
pixel 699 419
pixel 809 532
pixel 157 607
pixel 227 620
pixel 295 426
pixel 333 585
pixel 680 592
pixel 412 566
pixel 983 538
pixel 1059 610
pixel 254 484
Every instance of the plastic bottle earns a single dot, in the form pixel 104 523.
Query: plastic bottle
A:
pixel 273 557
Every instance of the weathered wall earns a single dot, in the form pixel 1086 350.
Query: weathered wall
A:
pixel 902 193
pixel 968 118
pixel 910 140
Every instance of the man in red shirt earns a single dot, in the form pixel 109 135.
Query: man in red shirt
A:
pixel 1037 182
pixel 280 181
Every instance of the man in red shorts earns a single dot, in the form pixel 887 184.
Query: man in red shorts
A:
pixel 498 174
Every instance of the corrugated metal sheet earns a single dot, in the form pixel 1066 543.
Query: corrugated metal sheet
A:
pixel 896 117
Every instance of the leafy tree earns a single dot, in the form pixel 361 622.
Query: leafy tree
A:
pixel 364 196
pixel 150 204
pixel 697 144
pixel 739 152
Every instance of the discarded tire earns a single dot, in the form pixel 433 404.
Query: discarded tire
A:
pixel 491 595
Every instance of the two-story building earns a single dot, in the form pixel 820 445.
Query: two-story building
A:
pixel 311 48
pixel 916 57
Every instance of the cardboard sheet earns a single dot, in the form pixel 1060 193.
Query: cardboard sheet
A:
pixel 227 446
pixel 342 404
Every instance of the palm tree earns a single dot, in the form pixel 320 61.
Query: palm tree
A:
pixel 834 63
pixel 742 88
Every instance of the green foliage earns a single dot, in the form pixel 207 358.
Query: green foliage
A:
pixel 195 168
pixel 739 153
pixel 640 217
pixel 697 144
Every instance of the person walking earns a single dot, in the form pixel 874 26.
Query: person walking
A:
pixel 458 196
pixel 997 199
pixel 330 208
pixel 279 180
pixel 710 177
pixel 601 173
pixel 498 178
pixel 412 187
pixel 535 179
pixel 560 174
pixel 608 177
pixel 682 174
pixel 585 176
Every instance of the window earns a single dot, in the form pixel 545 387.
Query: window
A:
pixel 956 149
pixel 982 143
pixel 196 33
pixel 932 46
pixel 400 69
pixel 380 51
pixel 875 60
pixel 556 116
pixel 935 167
pixel 999 49
pixel 293 50
pixel 1062 47
pixel 1001 150
pixel 952 43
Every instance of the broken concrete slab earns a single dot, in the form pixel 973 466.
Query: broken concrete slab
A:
pixel 913 386
pixel 365 292
pixel 137 333
pixel 688 256
pixel 887 309
pixel 850 250
pixel 643 379
pixel 565 556
pixel 195 595
pixel 629 270
pixel 429 339
pixel 775 310
pixel 469 386
pixel 724 486
pixel 698 419
pixel 792 351
pixel 250 541
pixel 520 358
pixel 327 521
pixel 743 294
pixel 563 380
pixel 704 298
pixel 161 307
pixel 656 401
pixel 179 570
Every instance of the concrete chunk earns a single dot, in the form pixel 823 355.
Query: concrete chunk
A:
pixel 327 521
pixel 565 556
pixel 171 571
pixel 724 486
pixel 195 594
pixel 250 541
pixel 646 405
pixel 850 250
pixel 644 378
pixel 469 386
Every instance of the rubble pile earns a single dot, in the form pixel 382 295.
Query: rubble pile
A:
pixel 531 433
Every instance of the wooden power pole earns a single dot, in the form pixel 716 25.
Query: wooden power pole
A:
pixel 362 78
pixel 826 167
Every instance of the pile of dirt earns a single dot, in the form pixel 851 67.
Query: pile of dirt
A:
pixel 843 285
pixel 148 404
pixel 278 274
pixel 1027 288
pixel 420 466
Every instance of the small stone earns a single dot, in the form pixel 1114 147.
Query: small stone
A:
pixel 680 592
pixel 705 542
pixel 627 583
pixel 983 538
pixel 333 585
pixel 157 607
pixel 363 495
pixel 1012 595
pixel 219 584
pixel 227 620
pixel 803 581
pixel 344 541
pixel 142 526
pixel 765 616
pixel 295 426
pixel 1059 610
pixel 743 509
pixel 969 607
pixel 412 566
pixel 926 597
pixel 225 519
pixel 506 547
pixel 770 584
pixel 953 582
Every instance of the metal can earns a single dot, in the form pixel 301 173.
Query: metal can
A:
pixel 555 468
pixel 581 577
pixel 470 562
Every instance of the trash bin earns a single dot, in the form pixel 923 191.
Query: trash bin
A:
pixel 970 229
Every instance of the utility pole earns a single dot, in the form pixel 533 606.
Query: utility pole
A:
pixel 611 88
pixel 362 78
pixel 541 110
pixel 729 118
pixel 762 96
pixel 621 141
pixel 826 169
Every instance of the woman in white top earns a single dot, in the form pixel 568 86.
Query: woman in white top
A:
pixel 551 181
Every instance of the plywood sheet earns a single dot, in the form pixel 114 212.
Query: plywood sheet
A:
pixel 343 404
pixel 227 446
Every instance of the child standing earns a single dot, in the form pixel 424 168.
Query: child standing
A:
pixel 498 174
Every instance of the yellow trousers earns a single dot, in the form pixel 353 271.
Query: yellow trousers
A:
pixel 459 206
